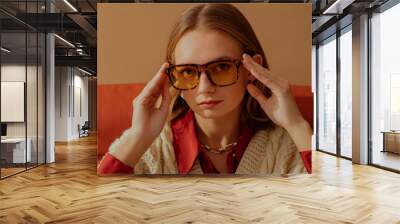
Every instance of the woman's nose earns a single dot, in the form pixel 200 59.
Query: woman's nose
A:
pixel 205 85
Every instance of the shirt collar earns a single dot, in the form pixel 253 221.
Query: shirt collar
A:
pixel 186 145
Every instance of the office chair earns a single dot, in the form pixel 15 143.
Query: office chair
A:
pixel 84 130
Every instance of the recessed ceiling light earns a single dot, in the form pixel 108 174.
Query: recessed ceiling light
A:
pixel 337 7
pixel 84 71
pixel 65 41
pixel 5 50
pixel 70 5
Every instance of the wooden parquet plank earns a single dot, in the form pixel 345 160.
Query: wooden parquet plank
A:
pixel 69 191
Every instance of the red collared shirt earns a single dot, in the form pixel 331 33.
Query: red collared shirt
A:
pixel 187 149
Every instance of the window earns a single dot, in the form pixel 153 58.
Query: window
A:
pixel 385 88
pixel 327 95
pixel 346 93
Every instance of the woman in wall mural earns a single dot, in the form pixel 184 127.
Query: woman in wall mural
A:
pixel 213 107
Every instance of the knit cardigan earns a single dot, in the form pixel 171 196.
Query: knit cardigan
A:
pixel 270 151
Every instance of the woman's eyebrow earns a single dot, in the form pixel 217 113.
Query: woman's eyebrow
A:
pixel 222 58
pixel 214 59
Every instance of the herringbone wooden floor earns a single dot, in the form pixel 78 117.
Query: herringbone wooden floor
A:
pixel 69 191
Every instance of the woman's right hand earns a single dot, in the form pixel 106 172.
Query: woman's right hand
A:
pixel 147 119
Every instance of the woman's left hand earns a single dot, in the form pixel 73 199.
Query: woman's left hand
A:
pixel 281 107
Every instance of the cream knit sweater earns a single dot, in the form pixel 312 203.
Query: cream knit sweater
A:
pixel 268 152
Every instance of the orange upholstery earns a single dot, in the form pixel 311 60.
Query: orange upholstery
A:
pixel 305 101
pixel 114 109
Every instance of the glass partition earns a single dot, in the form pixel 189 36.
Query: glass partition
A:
pixel 31 101
pixel 41 107
pixel 14 153
pixel 22 89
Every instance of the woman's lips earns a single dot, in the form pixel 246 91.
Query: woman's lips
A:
pixel 209 104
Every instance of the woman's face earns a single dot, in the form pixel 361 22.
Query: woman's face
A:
pixel 200 47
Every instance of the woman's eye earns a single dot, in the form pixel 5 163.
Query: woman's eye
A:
pixel 187 72
pixel 223 67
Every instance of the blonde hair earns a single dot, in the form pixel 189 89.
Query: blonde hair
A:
pixel 227 19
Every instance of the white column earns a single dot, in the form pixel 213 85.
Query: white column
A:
pixel 50 110
pixel 360 90
pixel 50 92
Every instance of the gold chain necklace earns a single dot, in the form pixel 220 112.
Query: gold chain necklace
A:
pixel 221 149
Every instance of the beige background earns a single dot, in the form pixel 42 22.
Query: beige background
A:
pixel 132 38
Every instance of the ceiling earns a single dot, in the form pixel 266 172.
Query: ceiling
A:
pixel 76 22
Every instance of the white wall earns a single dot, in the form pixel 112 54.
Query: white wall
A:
pixel 61 103
pixel 70 84
pixel 80 84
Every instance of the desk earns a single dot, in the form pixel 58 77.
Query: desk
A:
pixel 391 141
pixel 13 150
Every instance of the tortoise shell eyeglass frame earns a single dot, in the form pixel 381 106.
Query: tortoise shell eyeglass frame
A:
pixel 200 69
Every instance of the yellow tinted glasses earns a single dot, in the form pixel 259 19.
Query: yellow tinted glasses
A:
pixel 220 73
